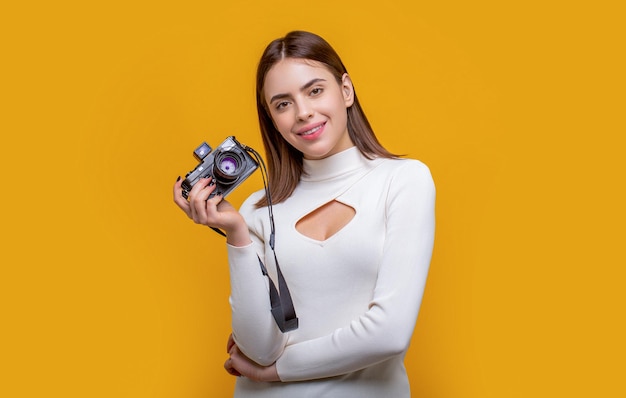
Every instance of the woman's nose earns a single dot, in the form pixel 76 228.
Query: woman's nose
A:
pixel 305 111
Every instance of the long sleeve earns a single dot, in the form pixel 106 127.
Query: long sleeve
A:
pixel 254 328
pixel 385 328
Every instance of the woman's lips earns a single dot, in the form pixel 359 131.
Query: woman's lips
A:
pixel 312 132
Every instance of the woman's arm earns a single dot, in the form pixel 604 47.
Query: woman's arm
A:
pixel 384 330
pixel 253 325
pixel 254 328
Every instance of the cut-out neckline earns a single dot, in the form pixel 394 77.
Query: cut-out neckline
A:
pixel 326 220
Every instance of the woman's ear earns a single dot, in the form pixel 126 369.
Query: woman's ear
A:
pixel 347 89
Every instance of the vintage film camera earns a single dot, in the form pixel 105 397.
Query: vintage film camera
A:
pixel 229 165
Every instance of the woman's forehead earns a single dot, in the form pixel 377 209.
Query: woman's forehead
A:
pixel 292 73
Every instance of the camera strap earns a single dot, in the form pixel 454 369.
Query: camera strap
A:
pixel 280 299
pixel 282 308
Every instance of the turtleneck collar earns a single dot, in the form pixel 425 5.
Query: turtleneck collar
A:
pixel 337 165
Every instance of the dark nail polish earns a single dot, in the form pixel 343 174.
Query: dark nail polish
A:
pixel 178 179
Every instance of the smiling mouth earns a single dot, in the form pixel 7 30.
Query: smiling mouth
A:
pixel 311 131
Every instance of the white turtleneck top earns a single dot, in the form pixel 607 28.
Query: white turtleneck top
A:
pixel 357 294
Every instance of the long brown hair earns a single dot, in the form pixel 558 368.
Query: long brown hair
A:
pixel 284 162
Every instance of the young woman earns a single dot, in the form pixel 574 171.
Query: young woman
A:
pixel 354 235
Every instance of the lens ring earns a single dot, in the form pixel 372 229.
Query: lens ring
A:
pixel 228 167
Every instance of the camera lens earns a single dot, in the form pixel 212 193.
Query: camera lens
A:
pixel 227 167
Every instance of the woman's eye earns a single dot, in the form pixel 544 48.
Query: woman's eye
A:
pixel 316 91
pixel 282 105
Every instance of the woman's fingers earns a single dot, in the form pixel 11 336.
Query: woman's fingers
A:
pixel 244 366
pixel 230 343
pixel 228 365
pixel 207 209
pixel 179 199
pixel 197 205
pixel 198 197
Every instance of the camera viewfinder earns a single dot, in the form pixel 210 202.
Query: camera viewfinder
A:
pixel 202 151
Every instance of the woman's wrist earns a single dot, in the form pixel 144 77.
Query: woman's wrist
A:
pixel 271 373
pixel 239 236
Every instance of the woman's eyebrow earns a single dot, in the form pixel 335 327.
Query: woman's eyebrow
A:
pixel 303 88
pixel 312 82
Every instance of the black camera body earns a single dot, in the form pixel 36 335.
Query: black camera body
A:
pixel 229 165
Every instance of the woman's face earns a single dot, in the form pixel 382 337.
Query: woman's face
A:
pixel 309 107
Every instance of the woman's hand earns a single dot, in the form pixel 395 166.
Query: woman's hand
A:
pixel 240 365
pixel 213 212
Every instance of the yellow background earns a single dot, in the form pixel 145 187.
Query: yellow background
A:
pixel 107 290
